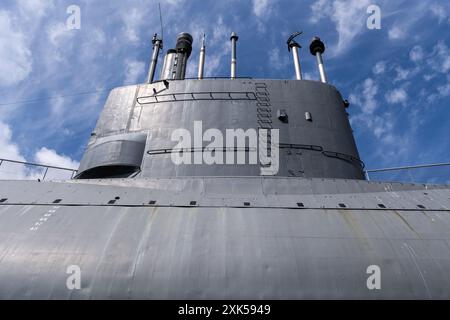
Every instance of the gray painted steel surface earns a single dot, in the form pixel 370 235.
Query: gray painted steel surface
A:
pixel 157 45
pixel 197 232
pixel 167 70
pixel 233 38
pixel 323 147
pixel 201 59
pixel 219 246
pixel 298 70
pixel 118 150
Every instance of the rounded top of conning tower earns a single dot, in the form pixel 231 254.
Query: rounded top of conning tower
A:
pixel 302 124
pixel 184 43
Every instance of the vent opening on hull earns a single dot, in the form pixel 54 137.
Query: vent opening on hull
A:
pixel 108 172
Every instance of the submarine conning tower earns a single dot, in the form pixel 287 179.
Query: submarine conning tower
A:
pixel 134 134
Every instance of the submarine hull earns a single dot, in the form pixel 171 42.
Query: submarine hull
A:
pixel 224 238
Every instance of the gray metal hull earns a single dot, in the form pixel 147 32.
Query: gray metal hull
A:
pixel 135 119
pixel 243 238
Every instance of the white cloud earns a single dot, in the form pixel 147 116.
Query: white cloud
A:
pixel 34 8
pixel 439 12
pixel 416 54
pixel 261 7
pixel 221 31
pixel 58 32
pixel 52 158
pixel 276 60
pixel 97 39
pixel 396 96
pixel 349 17
pixel 308 76
pixel 214 64
pixel 10 150
pixel 174 2
pixel 134 71
pixel 320 9
pixel 440 59
pixel 133 20
pixel 381 126
pixel 366 96
pixel 379 68
pixel 444 90
pixel 407 17
pixel 57 106
pixel 396 33
pixel 15 55
pixel 405 74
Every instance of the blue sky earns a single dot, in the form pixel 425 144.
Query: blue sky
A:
pixel 396 78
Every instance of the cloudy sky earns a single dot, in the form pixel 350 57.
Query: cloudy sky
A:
pixel 54 81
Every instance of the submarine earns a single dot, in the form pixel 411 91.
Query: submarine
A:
pixel 223 188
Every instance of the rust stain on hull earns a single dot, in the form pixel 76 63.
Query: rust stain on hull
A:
pixel 356 228
pixel 406 223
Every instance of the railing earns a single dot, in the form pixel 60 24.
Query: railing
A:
pixel 416 173
pixel 22 170
pixel 413 173
pixel 195 96
pixel 205 78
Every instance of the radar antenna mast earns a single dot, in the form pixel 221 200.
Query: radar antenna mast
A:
pixel 292 44
pixel 157 46
pixel 161 21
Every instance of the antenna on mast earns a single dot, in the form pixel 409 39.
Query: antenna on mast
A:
pixel 201 63
pixel 292 44
pixel 157 46
pixel 161 21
